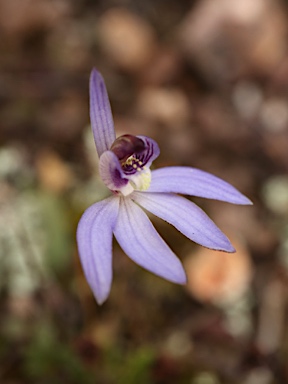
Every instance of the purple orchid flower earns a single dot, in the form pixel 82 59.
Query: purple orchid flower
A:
pixel 125 169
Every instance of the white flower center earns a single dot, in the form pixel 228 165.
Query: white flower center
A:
pixel 140 181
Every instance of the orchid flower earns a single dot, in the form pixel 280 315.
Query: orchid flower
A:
pixel 124 167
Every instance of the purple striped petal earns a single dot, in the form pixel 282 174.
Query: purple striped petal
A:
pixel 94 238
pixel 194 182
pixel 141 242
pixel 100 113
pixel 151 152
pixel 187 217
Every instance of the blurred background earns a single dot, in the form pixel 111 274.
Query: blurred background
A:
pixel 207 79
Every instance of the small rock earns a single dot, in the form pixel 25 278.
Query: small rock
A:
pixel 219 277
pixel 126 38
pixel 167 106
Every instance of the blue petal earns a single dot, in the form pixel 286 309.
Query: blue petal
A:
pixel 94 238
pixel 142 243
pixel 194 182
pixel 100 113
pixel 186 216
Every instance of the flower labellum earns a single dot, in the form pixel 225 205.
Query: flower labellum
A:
pixel 124 167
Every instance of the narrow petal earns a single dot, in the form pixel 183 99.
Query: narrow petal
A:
pixel 94 238
pixel 186 216
pixel 194 182
pixel 100 113
pixel 141 242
